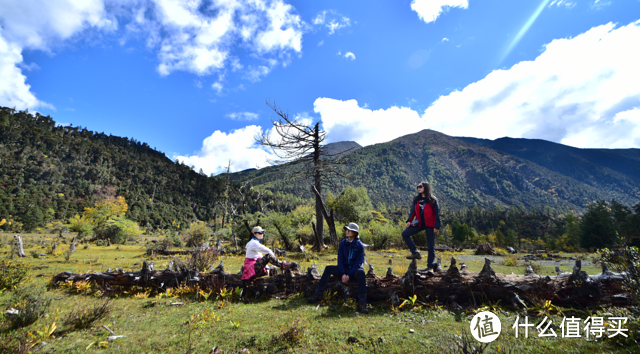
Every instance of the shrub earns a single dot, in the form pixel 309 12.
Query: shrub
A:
pixel 30 304
pixel 176 241
pixel 626 260
pixel 12 273
pixel 291 336
pixel 86 316
pixel 163 245
pixel 510 261
pixel 203 259
pixel 379 234
pixel 198 233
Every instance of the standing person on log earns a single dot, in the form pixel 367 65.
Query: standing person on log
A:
pixel 350 259
pixel 425 215
pixel 258 256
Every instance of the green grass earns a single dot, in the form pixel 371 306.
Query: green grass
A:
pixel 268 324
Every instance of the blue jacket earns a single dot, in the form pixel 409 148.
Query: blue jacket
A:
pixel 350 256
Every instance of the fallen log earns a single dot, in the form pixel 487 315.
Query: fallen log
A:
pixel 454 286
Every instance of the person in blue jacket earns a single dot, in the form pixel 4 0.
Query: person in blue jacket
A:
pixel 425 215
pixel 349 268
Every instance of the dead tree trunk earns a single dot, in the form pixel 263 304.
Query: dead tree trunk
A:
pixel 333 235
pixel 18 245
pixel 453 287
pixel 235 240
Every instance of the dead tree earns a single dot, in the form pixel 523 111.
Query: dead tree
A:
pixel 299 143
pixel 19 249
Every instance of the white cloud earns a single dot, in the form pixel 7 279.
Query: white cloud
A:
pixel 196 36
pixel 350 56
pixel 242 116
pixel 599 4
pixel 200 35
pixel 581 92
pixel 345 120
pixel 38 24
pixel 255 73
pixel 565 3
pixel 238 146
pixel 445 39
pixel 217 86
pixel 320 43
pixel 332 20
pixel 14 91
pixel 429 10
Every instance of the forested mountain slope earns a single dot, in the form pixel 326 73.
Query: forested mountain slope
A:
pixel 616 171
pixel 462 174
pixel 53 172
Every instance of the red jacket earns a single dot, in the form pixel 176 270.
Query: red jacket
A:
pixel 431 214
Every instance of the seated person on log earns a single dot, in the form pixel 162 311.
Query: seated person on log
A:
pixel 349 268
pixel 258 256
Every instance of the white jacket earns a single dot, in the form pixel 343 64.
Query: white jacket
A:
pixel 255 249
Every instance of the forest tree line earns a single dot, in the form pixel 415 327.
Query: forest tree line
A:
pixel 50 175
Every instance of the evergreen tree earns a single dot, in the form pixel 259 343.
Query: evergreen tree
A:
pixel 598 229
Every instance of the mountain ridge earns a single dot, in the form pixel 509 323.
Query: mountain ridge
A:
pixel 463 173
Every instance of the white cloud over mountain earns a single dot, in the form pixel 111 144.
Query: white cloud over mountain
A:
pixel 238 146
pixel 430 10
pixel 580 91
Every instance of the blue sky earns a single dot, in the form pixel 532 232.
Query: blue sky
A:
pixel 191 78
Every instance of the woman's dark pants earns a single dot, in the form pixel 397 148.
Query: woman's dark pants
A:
pixel 431 242
pixel 333 270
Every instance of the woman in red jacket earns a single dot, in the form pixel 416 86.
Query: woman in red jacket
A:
pixel 425 215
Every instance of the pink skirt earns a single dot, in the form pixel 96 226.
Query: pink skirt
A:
pixel 249 270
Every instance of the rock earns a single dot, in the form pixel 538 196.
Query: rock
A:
pixel 12 311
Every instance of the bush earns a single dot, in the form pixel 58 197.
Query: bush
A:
pixel 163 245
pixel 380 234
pixel 510 261
pixel 626 260
pixel 203 260
pixel 30 304
pixel 86 316
pixel 198 233
pixel 176 241
pixel 12 273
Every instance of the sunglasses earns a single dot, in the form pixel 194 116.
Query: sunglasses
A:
pixel 420 186
pixel 259 232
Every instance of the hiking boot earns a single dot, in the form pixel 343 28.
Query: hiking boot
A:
pixel 313 299
pixel 362 308
pixel 415 255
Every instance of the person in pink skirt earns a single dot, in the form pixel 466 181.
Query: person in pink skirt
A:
pixel 258 256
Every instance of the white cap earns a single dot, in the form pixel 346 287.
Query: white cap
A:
pixel 353 227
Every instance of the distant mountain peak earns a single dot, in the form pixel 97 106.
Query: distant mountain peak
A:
pixel 341 146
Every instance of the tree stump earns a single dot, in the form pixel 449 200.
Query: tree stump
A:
pixel 485 249
pixel 19 249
